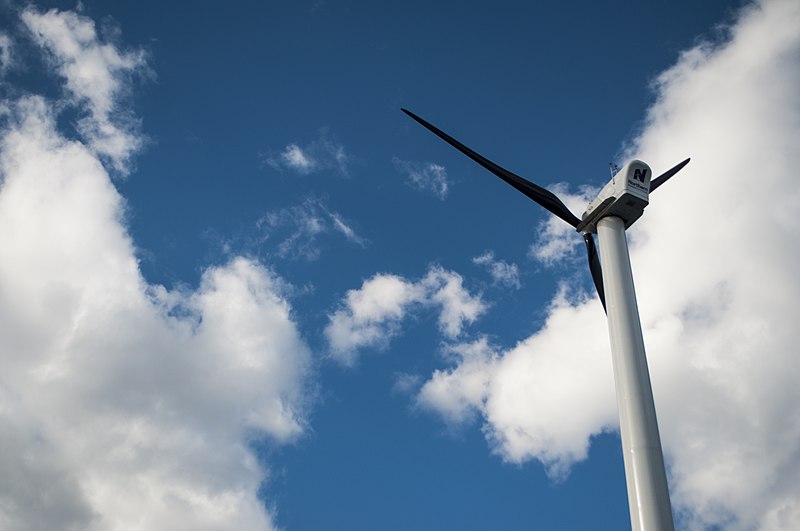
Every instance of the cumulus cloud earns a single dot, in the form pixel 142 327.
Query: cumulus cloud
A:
pixel 715 258
pixel 427 176
pixel 371 315
pixel 123 404
pixel 458 393
pixel 96 76
pixel 501 271
pixel 305 224
pixel 541 399
pixel 321 154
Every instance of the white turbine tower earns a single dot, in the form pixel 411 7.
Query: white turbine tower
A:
pixel 616 207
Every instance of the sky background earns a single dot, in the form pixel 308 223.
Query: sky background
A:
pixel 239 289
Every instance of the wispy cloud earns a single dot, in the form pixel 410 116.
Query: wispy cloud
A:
pixel 718 307
pixel 294 158
pixel 123 404
pixel 425 176
pixel 321 154
pixel 6 47
pixel 296 230
pixel 501 271
pixel 97 76
pixel 371 315
pixel 406 383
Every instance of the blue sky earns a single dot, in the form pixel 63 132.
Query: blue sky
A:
pixel 242 290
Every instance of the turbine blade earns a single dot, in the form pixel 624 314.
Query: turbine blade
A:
pixel 594 267
pixel 661 179
pixel 543 197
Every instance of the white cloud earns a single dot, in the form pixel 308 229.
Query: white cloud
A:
pixel 96 74
pixel 458 393
pixel 123 404
pixel 426 176
pixel 501 271
pixel 5 52
pixel 339 225
pixel 406 383
pixel 371 315
pixel 306 222
pixel 541 399
pixel 457 306
pixel 715 258
pixel 556 240
pixel 321 154
pixel 294 158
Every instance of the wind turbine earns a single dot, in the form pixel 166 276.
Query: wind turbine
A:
pixel 620 203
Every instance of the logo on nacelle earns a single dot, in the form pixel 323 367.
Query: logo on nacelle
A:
pixel 640 174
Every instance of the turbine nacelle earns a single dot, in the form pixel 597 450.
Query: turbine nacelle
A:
pixel 625 197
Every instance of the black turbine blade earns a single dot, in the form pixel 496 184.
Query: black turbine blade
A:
pixel 543 197
pixel 594 267
pixel 661 179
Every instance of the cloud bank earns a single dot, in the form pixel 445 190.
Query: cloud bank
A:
pixel 715 258
pixel 123 405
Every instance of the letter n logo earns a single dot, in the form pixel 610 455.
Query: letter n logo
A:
pixel 640 174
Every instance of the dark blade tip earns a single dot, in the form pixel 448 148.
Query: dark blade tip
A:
pixel 680 166
pixel 664 177
pixel 415 117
